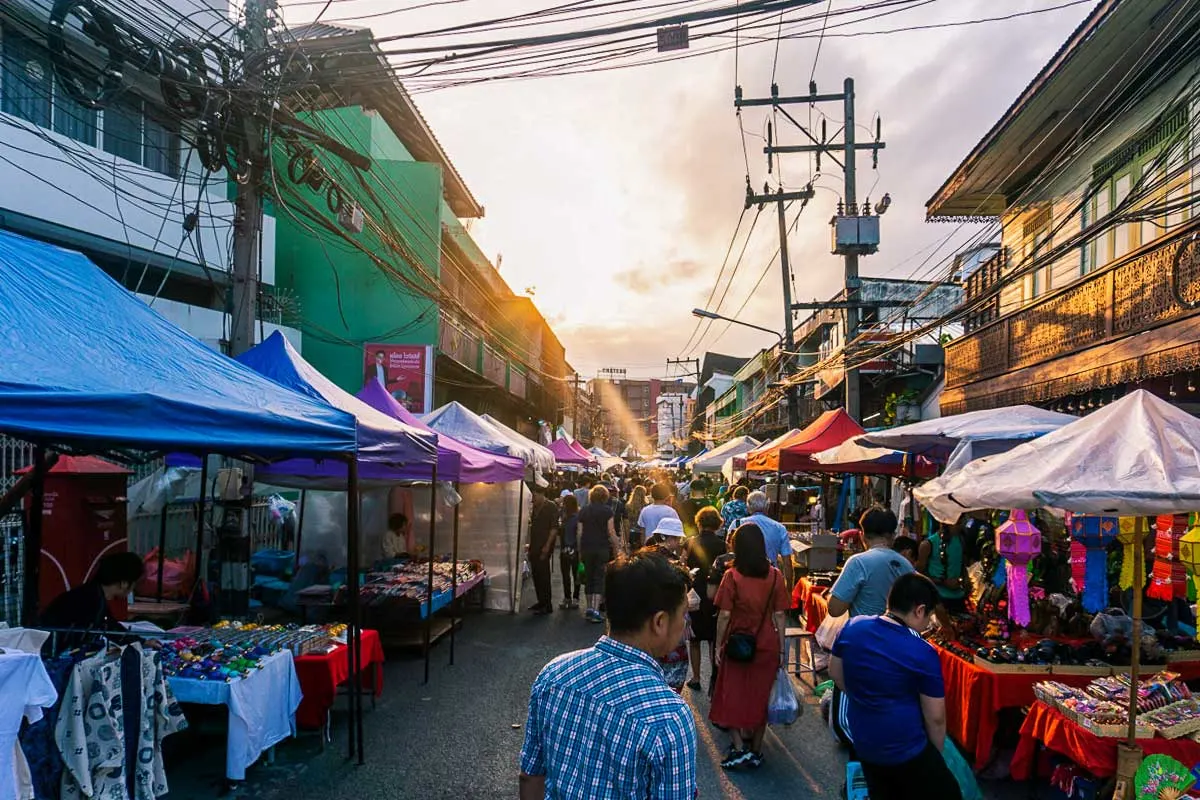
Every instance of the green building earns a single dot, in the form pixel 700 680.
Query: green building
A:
pixel 403 285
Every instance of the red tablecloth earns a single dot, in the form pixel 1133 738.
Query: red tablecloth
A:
pixel 974 697
pixel 1095 754
pixel 809 599
pixel 320 676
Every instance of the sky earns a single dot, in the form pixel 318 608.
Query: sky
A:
pixel 614 195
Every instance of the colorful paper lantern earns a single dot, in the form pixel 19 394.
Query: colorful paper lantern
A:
pixel 1189 554
pixel 1019 542
pixel 1094 534
pixel 1127 530
pixel 1169 577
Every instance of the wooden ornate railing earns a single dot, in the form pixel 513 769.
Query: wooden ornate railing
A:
pixel 1131 295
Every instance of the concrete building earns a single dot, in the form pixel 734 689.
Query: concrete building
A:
pixel 118 183
pixel 1089 174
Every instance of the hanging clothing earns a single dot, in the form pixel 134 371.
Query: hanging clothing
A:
pixel 25 689
pixel 114 717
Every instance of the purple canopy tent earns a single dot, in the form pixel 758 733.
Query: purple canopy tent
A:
pixel 565 454
pixel 473 465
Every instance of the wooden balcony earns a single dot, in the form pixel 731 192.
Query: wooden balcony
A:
pixel 1130 296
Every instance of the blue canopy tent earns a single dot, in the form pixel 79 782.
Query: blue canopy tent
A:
pixel 89 366
pixel 389 451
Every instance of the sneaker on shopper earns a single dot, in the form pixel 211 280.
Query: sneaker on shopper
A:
pixel 754 761
pixel 735 758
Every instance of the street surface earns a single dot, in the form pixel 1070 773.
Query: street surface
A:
pixel 454 738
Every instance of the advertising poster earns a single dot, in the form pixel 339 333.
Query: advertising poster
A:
pixel 404 370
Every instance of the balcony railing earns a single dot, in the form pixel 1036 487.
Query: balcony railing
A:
pixel 979 283
pixel 1132 295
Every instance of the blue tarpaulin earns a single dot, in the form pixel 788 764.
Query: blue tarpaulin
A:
pixel 388 449
pixel 86 364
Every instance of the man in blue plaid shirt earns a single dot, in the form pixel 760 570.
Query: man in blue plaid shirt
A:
pixel 602 722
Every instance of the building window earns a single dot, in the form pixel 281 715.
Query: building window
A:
pixel 1037 235
pixel 1152 170
pixel 123 130
pixel 27 80
pixel 29 90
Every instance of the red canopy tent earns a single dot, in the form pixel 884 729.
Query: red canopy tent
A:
pixel 794 451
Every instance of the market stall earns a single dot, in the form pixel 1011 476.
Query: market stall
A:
pixel 121 378
pixel 1135 457
pixel 497 504
pixel 565 453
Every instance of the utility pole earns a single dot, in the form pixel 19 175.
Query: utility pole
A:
pixel 248 216
pixel 780 198
pixel 575 409
pixel 850 192
pixel 856 230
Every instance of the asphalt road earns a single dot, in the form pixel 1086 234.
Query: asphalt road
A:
pixel 454 738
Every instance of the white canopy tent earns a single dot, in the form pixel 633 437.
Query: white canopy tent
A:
pixel 606 460
pixel 713 460
pixel 961 438
pixel 542 457
pixel 1138 457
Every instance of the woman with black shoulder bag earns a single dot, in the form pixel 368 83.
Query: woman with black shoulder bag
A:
pixel 752 601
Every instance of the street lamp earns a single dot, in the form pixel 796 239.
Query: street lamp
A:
pixel 790 392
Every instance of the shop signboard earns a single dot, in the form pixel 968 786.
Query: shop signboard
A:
pixel 405 370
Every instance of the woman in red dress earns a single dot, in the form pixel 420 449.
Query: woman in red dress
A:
pixel 752 599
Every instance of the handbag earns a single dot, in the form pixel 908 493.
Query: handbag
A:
pixel 741 646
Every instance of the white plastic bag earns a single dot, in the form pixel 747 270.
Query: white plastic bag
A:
pixel 827 632
pixel 784 706
pixel 693 600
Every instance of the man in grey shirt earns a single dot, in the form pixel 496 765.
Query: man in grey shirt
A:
pixel 862 588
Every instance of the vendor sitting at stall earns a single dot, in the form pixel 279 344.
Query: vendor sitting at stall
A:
pixel 86 607
pixel 941 557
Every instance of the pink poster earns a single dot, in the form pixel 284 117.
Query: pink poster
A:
pixel 402 369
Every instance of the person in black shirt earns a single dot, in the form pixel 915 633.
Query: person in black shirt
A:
pixel 85 608
pixel 598 544
pixel 543 529
pixel 699 553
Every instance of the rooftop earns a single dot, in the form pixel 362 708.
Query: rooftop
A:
pixel 1118 51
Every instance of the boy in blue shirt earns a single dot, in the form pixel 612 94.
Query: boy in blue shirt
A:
pixel 897 705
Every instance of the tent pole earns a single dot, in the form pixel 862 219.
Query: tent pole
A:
pixel 429 583
pixel 454 576
pixel 200 508
pixel 162 546
pixel 1135 639
pixel 299 532
pixel 33 534
pixel 516 580
pixel 353 642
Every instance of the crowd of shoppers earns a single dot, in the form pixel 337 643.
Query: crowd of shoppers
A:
pixel 611 721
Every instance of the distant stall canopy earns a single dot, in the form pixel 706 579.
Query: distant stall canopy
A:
pixel 89 366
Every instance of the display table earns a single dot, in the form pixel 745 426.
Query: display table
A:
pixel 1098 755
pixel 321 675
pixel 975 695
pixel 262 708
